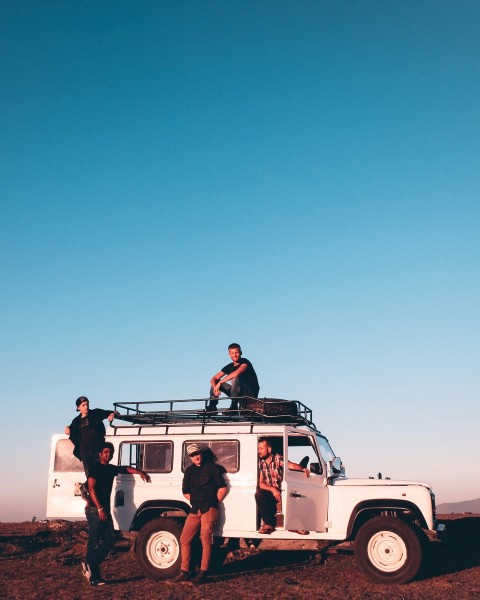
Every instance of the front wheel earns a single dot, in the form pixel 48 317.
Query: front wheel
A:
pixel 388 550
pixel 158 548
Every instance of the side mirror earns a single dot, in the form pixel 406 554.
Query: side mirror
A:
pixel 335 466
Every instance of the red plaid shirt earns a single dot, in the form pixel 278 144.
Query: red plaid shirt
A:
pixel 273 471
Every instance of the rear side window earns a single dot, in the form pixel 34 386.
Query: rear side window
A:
pixel 153 457
pixel 64 459
pixel 225 452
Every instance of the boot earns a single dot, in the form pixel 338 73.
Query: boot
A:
pixel 212 406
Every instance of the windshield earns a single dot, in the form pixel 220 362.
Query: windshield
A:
pixel 325 450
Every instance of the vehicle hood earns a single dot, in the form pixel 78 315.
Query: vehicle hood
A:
pixel 348 481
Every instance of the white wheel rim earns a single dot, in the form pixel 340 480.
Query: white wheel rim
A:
pixel 162 549
pixel 387 551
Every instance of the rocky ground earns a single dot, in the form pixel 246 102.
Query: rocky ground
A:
pixel 42 561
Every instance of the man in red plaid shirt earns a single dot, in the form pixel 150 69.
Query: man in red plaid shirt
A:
pixel 268 494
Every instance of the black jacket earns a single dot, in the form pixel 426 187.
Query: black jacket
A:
pixel 95 423
pixel 202 483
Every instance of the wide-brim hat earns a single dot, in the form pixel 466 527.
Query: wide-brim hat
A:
pixel 193 449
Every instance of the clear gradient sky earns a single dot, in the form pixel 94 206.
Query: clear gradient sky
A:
pixel 300 177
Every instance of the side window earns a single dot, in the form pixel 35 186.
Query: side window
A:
pixel 225 452
pixel 153 457
pixel 301 450
pixel 64 459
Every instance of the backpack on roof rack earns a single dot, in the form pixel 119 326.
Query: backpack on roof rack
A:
pixel 272 408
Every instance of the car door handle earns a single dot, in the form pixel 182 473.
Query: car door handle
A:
pixel 295 495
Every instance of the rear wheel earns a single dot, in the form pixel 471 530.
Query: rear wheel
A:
pixel 389 550
pixel 158 548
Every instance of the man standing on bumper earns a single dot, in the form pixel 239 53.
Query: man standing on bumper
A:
pixel 204 487
pixel 241 375
pixel 97 511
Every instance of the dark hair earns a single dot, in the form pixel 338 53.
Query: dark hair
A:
pixel 81 400
pixel 208 455
pixel 234 345
pixel 106 445
pixel 274 443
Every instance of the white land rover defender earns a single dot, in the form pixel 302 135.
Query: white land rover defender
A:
pixel 388 523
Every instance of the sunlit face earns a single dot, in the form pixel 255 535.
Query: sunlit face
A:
pixel 196 458
pixel 83 408
pixel 235 354
pixel 106 456
pixel 264 450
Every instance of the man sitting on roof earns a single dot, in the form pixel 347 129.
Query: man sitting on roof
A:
pixel 241 375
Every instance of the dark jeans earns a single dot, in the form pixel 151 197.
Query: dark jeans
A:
pixel 267 506
pixel 100 540
pixel 237 387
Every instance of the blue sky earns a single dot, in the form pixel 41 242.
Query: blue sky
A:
pixel 300 177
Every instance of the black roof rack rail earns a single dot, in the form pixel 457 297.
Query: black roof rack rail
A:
pixel 265 410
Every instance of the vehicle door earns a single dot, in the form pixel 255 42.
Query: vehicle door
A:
pixel 237 513
pixel 65 475
pixel 305 499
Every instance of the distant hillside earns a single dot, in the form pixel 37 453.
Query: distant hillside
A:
pixel 472 506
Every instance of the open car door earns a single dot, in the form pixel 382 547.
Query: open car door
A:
pixel 65 475
pixel 305 499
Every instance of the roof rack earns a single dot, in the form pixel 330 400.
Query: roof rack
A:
pixel 266 410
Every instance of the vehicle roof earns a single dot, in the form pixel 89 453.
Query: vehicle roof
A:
pixel 217 429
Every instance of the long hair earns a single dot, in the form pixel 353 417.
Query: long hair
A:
pixel 208 455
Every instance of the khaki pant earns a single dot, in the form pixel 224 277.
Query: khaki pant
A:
pixel 205 523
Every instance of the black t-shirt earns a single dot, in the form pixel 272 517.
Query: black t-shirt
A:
pixel 203 483
pixel 89 438
pixel 104 476
pixel 249 376
pixel 87 433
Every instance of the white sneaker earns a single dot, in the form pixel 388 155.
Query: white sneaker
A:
pixel 86 572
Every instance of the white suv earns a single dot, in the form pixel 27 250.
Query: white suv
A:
pixel 387 522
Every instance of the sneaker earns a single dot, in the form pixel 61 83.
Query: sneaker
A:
pixel 182 577
pixel 212 406
pixel 97 582
pixel 200 577
pixel 86 572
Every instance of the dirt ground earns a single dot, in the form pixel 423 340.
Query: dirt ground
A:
pixel 42 561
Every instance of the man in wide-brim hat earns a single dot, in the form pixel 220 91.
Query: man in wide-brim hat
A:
pixel 204 487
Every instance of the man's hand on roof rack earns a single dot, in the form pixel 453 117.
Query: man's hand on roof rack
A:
pixel 112 415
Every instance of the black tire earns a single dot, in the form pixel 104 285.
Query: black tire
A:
pixel 389 550
pixel 158 548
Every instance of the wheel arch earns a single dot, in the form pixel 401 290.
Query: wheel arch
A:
pixel 402 509
pixel 153 509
